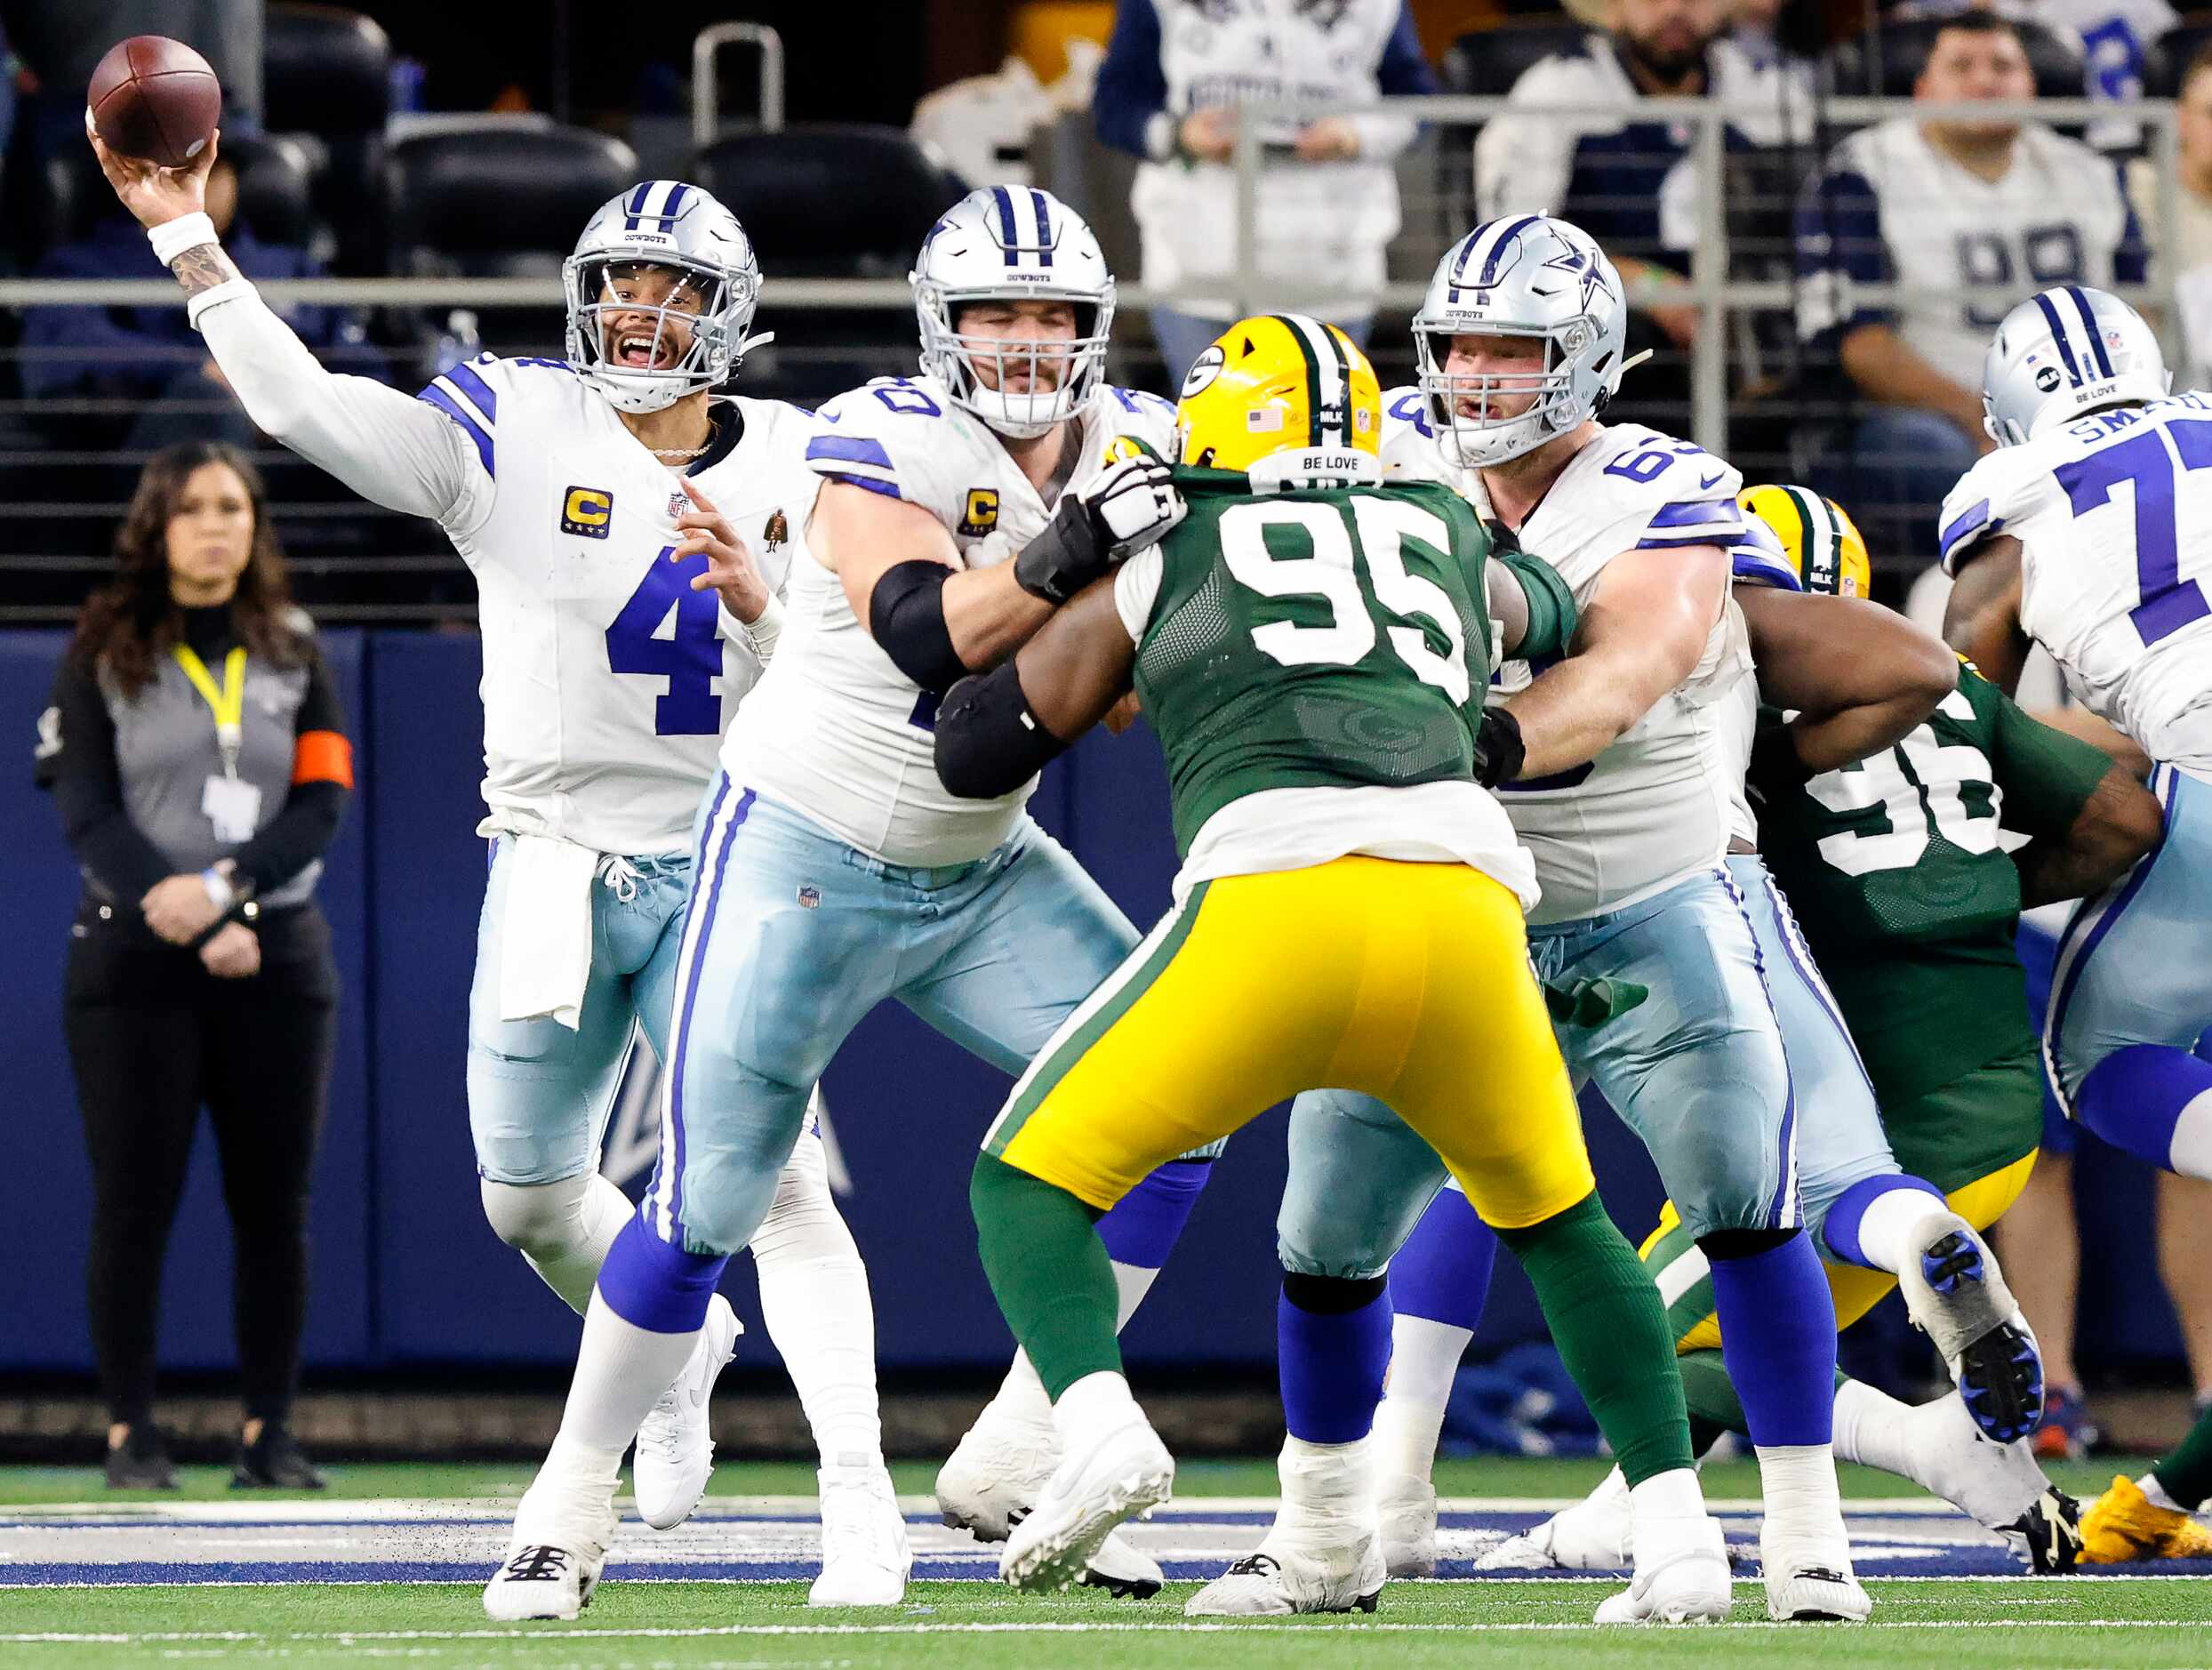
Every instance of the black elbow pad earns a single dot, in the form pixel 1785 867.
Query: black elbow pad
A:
pixel 989 743
pixel 906 616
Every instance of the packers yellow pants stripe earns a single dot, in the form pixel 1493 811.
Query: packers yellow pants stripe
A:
pixel 1855 1289
pixel 1407 982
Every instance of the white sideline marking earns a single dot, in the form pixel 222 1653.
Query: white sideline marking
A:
pixel 1164 1627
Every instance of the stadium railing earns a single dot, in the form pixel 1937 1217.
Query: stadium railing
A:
pixel 65 470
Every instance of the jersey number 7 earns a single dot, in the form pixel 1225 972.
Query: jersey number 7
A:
pixel 690 658
pixel 2169 602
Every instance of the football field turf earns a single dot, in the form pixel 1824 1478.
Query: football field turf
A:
pixel 388 1566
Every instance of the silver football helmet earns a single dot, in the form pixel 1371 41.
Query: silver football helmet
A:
pixel 1014 244
pixel 706 308
pixel 2062 352
pixel 1524 274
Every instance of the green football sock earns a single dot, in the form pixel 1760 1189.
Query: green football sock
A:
pixel 2186 1474
pixel 1710 1395
pixel 1611 1332
pixel 1048 1271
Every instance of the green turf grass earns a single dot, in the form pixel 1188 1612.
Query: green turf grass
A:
pixel 1961 1626
pixel 1490 1476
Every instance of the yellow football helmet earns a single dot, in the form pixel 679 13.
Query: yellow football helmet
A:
pixel 1279 383
pixel 1817 536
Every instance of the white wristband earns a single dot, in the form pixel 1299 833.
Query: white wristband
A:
pixel 222 292
pixel 764 630
pixel 172 238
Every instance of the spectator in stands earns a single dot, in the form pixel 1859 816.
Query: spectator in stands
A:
pixel 197 757
pixel 1940 205
pixel 151 356
pixel 1173 71
pixel 1622 177
pixel 2186 238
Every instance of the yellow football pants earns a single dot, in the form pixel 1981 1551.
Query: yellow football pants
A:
pixel 1408 982
pixel 1855 1289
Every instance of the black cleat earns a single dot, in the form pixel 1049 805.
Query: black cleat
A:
pixel 2050 1531
pixel 274 1462
pixel 140 1462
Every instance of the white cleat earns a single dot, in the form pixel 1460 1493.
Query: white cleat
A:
pixel 1407 1507
pixel 563 1526
pixel 865 1560
pixel 1594 1535
pixel 1958 1296
pixel 996 1474
pixel 1685 1581
pixel 1812 1585
pixel 1126 1475
pixel 1287 1575
pixel 676 1442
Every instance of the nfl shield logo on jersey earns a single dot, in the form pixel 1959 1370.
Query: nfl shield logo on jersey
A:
pixel 809 896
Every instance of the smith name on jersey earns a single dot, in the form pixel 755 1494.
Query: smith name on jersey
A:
pixel 607 680
pixel 1659 804
pixel 2113 512
pixel 836 731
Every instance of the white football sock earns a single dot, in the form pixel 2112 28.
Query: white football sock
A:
pixel 1020 1400
pixel 1424 1362
pixel 1674 1494
pixel 814 1297
pixel 2190 1151
pixel 621 1370
pixel 1937 1445
pixel 1886 1227
pixel 2157 1495
pixel 1099 1403
pixel 562 1229
pixel 1328 1489
pixel 1798 1487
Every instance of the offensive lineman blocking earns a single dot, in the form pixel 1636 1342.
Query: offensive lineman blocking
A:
pixel 556 482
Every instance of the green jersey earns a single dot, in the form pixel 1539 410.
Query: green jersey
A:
pixel 1899 872
pixel 1318 640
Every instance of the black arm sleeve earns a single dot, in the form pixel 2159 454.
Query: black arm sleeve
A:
pixel 76 762
pixel 304 830
pixel 905 617
pixel 989 743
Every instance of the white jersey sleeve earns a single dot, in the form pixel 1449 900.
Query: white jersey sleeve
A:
pixel 1661 803
pixel 391 450
pixel 891 436
pixel 2113 513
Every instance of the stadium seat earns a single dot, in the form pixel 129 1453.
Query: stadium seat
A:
pixel 1886 61
pixel 498 200
pixel 1487 62
pixel 2165 59
pixel 831 200
pixel 326 71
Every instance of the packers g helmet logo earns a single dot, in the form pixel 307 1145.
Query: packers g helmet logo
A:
pixel 1278 383
pixel 587 513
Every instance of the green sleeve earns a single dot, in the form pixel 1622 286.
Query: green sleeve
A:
pixel 1551 614
pixel 2045 776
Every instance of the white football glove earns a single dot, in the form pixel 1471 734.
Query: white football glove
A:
pixel 1132 506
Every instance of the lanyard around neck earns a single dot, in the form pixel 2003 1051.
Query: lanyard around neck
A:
pixel 227 703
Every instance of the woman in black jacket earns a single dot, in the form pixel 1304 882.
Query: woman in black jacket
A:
pixel 196 753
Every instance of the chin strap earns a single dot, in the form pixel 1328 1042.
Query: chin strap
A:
pixel 751 343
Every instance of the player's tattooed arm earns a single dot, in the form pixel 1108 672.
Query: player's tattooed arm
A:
pixel 2117 824
pixel 1982 620
pixel 203 267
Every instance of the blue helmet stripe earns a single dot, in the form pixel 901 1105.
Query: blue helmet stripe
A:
pixel 676 198
pixel 1007 234
pixel 1460 259
pixel 637 207
pixel 2058 336
pixel 1497 248
pixel 2088 324
pixel 1044 228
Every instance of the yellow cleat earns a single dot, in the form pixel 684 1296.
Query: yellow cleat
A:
pixel 2124 1525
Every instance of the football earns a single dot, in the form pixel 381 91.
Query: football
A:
pixel 154 99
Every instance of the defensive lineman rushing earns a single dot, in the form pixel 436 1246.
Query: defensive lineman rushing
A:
pixel 583 497
pixel 1520 343
pixel 1313 649
pixel 2089 531
pixel 1908 893
pixel 835 870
